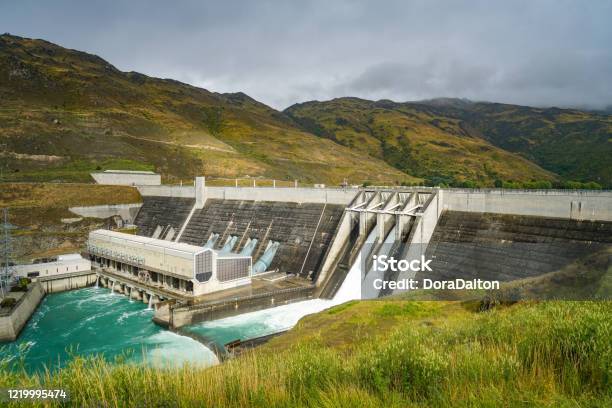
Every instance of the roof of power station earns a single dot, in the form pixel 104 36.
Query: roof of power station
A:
pixel 152 243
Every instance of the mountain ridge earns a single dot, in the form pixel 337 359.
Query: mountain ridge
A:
pixel 79 108
pixel 64 113
pixel 545 137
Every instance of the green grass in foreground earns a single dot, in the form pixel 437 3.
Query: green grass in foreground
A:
pixel 401 354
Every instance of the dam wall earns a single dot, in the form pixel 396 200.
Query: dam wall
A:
pixel 162 211
pixel 320 230
pixel 341 196
pixel 167 191
pixel 507 247
pixel 304 230
pixel 570 204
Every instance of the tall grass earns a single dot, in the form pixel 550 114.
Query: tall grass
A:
pixel 537 354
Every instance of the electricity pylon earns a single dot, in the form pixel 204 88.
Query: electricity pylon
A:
pixel 7 271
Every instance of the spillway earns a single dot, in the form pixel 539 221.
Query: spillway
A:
pixel 277 319
pixel 371 274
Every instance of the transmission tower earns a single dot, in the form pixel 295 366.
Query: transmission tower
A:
pixel 7 271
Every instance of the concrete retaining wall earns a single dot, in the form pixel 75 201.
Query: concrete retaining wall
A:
pixel 61 283
pixel 182 316
pixel 12 323
pixel 287 194
pixel 578 205
pixel 127 211
pixel 341 237
pixel 127 178
pixel 167 191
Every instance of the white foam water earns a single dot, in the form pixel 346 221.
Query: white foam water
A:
pixel 172 350
pixel 280 318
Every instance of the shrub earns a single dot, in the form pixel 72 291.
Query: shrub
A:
pixel 22 285
pixel 8 302
pixel 403 364
pixel 577 185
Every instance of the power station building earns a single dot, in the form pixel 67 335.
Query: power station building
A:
pixel 61 265
pixel 187 269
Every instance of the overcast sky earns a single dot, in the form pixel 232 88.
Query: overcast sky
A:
pixel 543 53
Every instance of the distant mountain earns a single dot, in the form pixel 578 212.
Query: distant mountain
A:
pixel 64 113
pixel 456 139
pixel 416 138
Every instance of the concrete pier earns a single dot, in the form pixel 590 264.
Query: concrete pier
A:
pixel 135 294
pixel 70 281
pixel 13 321
pixel 175 315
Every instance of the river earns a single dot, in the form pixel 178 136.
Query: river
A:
pixel 94 321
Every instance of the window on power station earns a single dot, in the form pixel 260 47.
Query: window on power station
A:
pixel 203 266
pixel 231 269
pixel 203 277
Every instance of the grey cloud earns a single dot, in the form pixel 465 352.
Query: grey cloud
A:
pixel 422 80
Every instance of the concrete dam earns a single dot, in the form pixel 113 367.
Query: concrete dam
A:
pixel 301 243
pixel 509 247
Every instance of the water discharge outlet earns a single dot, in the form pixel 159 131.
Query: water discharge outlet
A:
pixel 265 260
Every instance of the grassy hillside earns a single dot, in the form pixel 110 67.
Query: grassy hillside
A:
pixel 450 140
pixel 419 142
pixel 29 195
pixel 380 353
pixel 38 208
pixel 64 113
pixel 574 144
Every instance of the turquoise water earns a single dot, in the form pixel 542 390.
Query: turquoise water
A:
pixel 94 321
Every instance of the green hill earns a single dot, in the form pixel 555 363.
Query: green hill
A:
pixel 575 144
pixel 64 113
pixel 448 140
